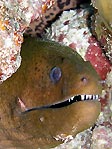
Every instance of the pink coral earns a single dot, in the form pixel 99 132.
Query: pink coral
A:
pixel 95 55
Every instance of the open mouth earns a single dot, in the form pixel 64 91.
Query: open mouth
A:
pixel 64 103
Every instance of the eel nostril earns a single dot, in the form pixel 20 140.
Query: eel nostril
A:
pixel 84 80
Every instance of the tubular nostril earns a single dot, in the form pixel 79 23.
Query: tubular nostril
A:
pixel 84 80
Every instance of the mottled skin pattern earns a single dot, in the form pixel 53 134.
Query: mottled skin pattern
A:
pixel 38 26
pixel 32 84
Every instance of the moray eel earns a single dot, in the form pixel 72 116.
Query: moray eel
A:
pixel 37 26
pixel 51 96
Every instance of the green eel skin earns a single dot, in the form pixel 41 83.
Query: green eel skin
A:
pixel 32 86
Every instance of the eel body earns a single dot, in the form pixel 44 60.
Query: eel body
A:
pixel 50 74
pixel 37 26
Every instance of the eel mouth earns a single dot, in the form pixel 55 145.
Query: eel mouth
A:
pixel 63 103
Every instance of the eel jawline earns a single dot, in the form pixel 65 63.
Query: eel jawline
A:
pixel 63 103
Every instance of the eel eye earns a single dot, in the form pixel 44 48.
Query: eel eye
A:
pixel 55 74
pixel 84 80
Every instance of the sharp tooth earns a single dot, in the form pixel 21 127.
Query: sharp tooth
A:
pixel 87 97
pixel 97 96
pixel 72 98
pixel 91 96
pixel 69 100
pixel 82 97
pixel 94 97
